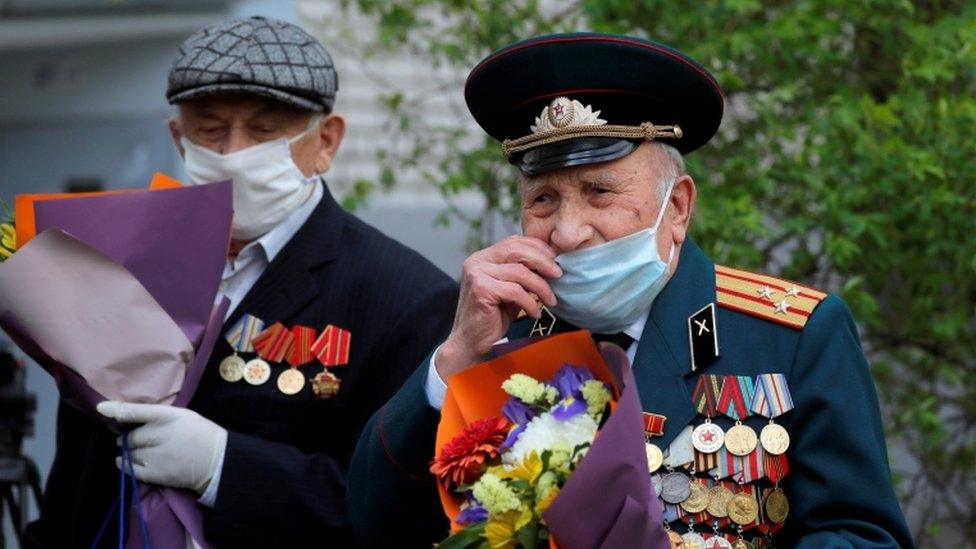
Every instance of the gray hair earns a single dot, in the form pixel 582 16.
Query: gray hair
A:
pixel 670 164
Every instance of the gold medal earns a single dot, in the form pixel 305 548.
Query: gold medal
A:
pixel 655 457
pixel 257 371
pixel 718 501
pixel 675 539
pixel 707 438
pixel 232 368
pixel 777 507
pixel 741 543
pixel 775 440
pixel 325 385
pixel 693 540
pixel 740 440
pixel 697 500
pixel 743 509
pixel 291 381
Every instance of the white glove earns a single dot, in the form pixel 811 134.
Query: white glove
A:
pixel 175 447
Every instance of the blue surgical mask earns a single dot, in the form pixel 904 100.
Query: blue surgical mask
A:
pixel 607 288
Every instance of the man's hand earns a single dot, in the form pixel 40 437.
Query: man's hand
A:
pixel 175 447
pixel 496 283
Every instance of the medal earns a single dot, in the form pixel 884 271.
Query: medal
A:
pixel 741 543
pixel 718 542
pixel 737 393
pixel 718 501
pixel 654 424
pixel 743 509
pixel 655 457
pixel 675 539
pixel 697 499
pixel 325 385
pixel 239 338
pixel 291 381
pixel 232 368
pixel 656 483
pixel 257 371
pixel 775 440
pixel 772 399
pixel 675 488
pixel 693 540
pixel 707 437
pixel 777 507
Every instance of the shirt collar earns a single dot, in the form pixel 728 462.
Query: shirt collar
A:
pixel 274 240
pixel 637 328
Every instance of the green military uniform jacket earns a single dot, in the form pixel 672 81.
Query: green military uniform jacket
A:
pixel 839 485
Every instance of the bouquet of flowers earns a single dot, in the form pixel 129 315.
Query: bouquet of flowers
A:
pixel 8 232
pixel 543 447
pixel 113 294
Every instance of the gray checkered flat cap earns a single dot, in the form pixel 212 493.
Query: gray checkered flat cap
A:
pixel 258 55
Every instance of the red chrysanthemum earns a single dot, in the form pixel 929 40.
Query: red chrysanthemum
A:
pixel 462 460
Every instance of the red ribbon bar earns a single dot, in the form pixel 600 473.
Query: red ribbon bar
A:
pixel 776 466
pixel 301 350
pixel 332 347
pixel 654 424
pixel 274 342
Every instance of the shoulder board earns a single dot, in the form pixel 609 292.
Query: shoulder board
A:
pixel 767 297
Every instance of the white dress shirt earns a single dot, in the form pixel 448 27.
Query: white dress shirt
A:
pixel 243 271
pixel 435 388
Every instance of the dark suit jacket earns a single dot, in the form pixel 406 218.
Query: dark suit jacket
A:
pixel 284 472
pixel 839 486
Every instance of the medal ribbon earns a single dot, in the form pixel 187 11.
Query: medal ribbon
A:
pixel 680 451
pixel 332 347
pixel 654 424
pixel 301 350
pixel 706 393
pixel 776 466
pixel 241 334
pixel 705 462
pixel 749 468
pixel 772 397
pixel 737 393
pixel 274 342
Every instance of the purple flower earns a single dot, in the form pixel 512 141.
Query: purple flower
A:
pixel 512 437
pixel 568 408
pixel 517 411
pixel 471 513
pixel 568 380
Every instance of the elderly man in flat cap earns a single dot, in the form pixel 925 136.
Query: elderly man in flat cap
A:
pixel 268 437
pixel 757 396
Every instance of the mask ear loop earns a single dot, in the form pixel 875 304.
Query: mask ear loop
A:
pixel 660 216
pixel 312 124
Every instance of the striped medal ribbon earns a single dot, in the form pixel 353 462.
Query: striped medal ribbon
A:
pixel 239 337
pixel 737 393
pixel 331 349
pixel 707 437
pixel 772 399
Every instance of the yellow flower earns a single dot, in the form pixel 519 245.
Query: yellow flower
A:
pixel 8 240
pixel 597 396
pixel 500 530
pixel 529 469
pixel 494 495
pixel 546 491
pixel 529 390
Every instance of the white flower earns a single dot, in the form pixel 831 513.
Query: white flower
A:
pixel 545 432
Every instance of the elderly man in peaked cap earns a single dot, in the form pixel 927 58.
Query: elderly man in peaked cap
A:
pixel 266 442
pixel 761 418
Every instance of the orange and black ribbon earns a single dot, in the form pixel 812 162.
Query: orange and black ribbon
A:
pixel 706 394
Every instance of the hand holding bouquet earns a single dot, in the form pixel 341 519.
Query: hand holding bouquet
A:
pixel 544 447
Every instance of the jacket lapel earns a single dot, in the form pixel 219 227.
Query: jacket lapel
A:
pixel 663 359
pixel 288 283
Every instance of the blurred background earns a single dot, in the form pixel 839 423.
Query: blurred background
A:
pixel 845 161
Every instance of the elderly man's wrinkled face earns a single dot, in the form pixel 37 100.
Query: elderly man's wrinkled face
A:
pixel 226 123
pixel 580 207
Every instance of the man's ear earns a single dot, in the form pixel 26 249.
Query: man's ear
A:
pixel 176 133
pixel 331 131
pixel 682 203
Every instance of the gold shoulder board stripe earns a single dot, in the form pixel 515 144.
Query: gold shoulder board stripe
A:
pixel 771 298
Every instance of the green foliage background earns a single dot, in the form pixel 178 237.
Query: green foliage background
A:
pixel 846 160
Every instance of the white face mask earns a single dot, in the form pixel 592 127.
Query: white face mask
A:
pixel 606 288
pixel 267 184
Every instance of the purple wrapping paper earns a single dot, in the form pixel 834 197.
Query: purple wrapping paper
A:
pixel 608 501
pixel 165 238
pixel 174 243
